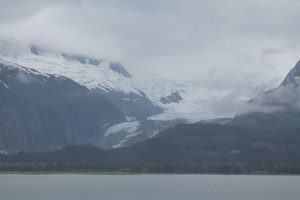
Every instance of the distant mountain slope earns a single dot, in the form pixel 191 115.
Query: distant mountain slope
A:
pixel 195 101
pixel 28 76
pixel 284 97
pixel 42 112
pixel 277 108
pixel 269 133
pixel 128 133
pixel 187 145
pixel 293 76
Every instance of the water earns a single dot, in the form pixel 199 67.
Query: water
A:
pixel 149 187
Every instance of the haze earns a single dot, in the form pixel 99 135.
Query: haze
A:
pixel 221 45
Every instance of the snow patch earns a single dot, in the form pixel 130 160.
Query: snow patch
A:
pixel 126 99
pixel 129 127
pixel 3 84
pixel 130 118
pixel 154 133
pixel 3 153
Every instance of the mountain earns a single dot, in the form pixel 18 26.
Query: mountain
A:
pixel 284 97
pixel 293 76
pixel 43 112
pixel 204 148
pixel 128 133
pixel 50 99
pixel 108 78
pixel 276 108
pixel 72 100
pixel 195 101
pixel 268 135
pixel 262 140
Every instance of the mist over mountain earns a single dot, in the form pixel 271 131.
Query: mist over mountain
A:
pixel 285 97
pixel 98 102
pixel 265 141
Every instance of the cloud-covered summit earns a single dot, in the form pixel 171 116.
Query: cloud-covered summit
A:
pixel 219 45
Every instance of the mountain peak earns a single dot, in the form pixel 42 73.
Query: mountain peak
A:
pixel 293 76
pixel 34 49
pixel 117 67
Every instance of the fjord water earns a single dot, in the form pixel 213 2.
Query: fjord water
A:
pixel 148 187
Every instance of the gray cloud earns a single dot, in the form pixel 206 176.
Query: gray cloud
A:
pixel 220 44
pixel 230 105
pixel 24 78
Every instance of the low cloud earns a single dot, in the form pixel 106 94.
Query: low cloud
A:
pixel 231 105
pixel 233 45
pixel 175 39
pixel 24 78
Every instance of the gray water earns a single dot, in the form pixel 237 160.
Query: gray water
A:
pixel 149 187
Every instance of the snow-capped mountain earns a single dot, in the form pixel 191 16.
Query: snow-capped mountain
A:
pixel 111 78
pixel 285 96
pixel 44 112
pixel 162 99
pixel 90 101
pixel 195 102
pixel 64 94
pixel 91 73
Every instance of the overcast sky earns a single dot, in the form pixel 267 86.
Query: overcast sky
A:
pixel 220 44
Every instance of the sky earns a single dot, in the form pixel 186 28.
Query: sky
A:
pixel 231 45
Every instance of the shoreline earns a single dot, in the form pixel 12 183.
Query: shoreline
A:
pixel 139 173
